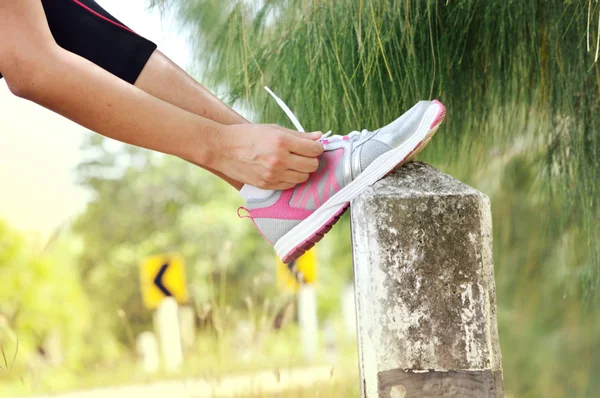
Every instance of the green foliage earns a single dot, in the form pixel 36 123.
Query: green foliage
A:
pixel 521 89
pixel 41 298
pixel 501 67
pixel 158 204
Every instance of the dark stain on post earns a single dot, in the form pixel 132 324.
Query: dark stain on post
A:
pixel 442 384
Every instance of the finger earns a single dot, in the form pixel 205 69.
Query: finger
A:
pixel 276 185
pixel 281 186
pixel 302 164
pixel 315 135
pixel 293 177
pixel 303 147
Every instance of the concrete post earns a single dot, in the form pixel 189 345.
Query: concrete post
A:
pixel 425 292
pixel 187 326
pixel 167 321
pixel 147 346
pixel 308 321
pixel 349 311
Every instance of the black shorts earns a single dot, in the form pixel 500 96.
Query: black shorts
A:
pixel 86 29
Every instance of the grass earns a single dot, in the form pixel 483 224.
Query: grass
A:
pixel 348 388
pixel 9 367
pixel 210 361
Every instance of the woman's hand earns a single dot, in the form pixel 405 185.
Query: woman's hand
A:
pixel 266 156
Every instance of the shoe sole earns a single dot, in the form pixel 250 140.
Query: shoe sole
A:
pixel 311 230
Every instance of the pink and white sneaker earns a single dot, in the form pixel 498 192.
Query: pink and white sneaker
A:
pixel 295 219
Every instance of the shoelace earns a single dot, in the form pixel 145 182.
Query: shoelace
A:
pixel 326 138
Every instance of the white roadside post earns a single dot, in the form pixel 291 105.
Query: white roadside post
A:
pixel 167 322
pixel 187 324
pixel 300 276
pixel 308 320
pixel 147 347
pixel 349 311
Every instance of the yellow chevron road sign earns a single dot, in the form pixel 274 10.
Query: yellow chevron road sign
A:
pixel 163 276
pixel 299 272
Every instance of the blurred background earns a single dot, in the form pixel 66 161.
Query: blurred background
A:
pixel 79 213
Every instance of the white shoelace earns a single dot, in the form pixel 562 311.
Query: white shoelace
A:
pixel 296 123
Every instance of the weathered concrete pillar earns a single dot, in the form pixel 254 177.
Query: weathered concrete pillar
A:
pixel 425 292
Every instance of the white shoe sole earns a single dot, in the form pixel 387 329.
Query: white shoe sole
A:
pixel 299 239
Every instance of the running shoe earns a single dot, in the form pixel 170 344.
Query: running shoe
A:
pixel 296 219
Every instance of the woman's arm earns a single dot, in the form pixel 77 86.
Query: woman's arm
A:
pixel 37 69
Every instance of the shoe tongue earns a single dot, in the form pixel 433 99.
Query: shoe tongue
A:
pixel 353 136
pixel 249 192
